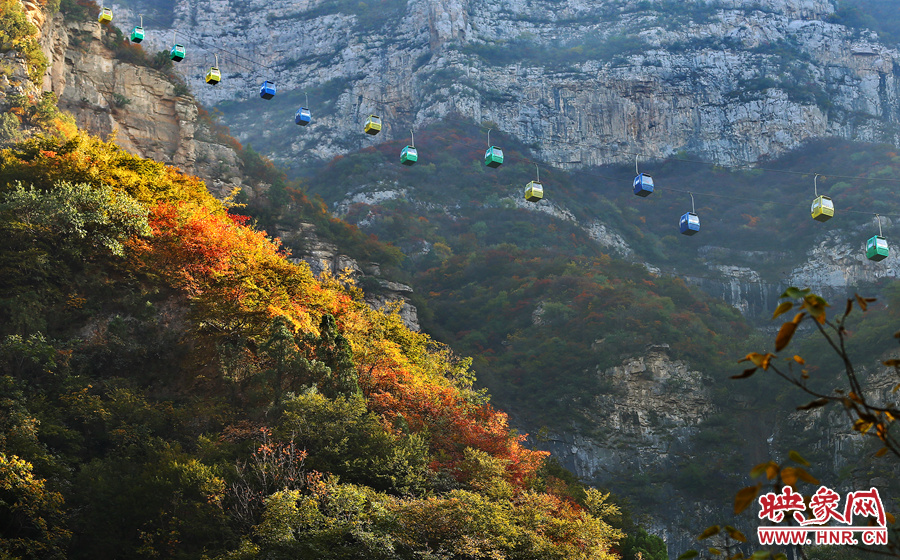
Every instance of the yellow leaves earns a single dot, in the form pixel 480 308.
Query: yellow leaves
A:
pixel 735 534
pixel 759 360
pixel 863 302
pixel 783 307
pixel 816 306
pixel 770 469
pixel 862 426
pixel 787 332
pixel 790 476
pixel 709 532
pixel 745 497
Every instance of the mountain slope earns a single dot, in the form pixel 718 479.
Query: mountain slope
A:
pixel 169 376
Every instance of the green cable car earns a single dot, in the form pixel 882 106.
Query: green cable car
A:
pixel 373 125
pixel 177 53
pixel 105 15
pixel 137 32
pixel 409 155
pixel 822 209
pixel 493 157
pixel 877 248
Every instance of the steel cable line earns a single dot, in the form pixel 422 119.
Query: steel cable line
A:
pixel 553 140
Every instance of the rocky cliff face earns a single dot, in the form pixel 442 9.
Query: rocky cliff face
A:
pixel 650 407
pixel 147 114
pixel 137 106
pixel 587 82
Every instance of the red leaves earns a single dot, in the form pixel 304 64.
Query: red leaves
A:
pixel 453 423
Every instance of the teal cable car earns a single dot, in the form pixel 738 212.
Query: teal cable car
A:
pixel 137 33
pixel 213 77
pixel 177 52
pixel 105 16
pixel 822 208
pixel 877 246
pixel 409 155
pixel 534 191
pixel 373 125
pixel 493 157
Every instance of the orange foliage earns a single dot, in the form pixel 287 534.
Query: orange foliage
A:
pixel 453 423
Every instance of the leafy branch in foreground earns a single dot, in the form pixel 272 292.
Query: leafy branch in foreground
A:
pixel 867 412
pixel 867 416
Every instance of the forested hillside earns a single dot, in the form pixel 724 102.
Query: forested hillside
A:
pixel 174 387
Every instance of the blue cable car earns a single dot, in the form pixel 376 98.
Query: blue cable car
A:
pixel 643 184
pixel 267 90
pixel 690 223
pixel 302 117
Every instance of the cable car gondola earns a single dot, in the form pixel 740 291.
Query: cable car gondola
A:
pixel 177 52
pixel 877 246
pixel 822 208
pixel 373 125
pixel 105 16
pixel 267 90
pixel 213 77
pixel 690 222
pixel 534 191
pixel 409 155
pixel 643 183
pixel 137 33
pixel 303 115
pixel 493 157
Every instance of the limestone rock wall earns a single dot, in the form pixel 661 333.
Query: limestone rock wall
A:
pixel 136 106
pixel 587 82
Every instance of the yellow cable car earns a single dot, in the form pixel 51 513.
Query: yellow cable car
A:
pixel 373 125
pixel 822 208
pixel 213 77
pixel 534 191
pixel 105 15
